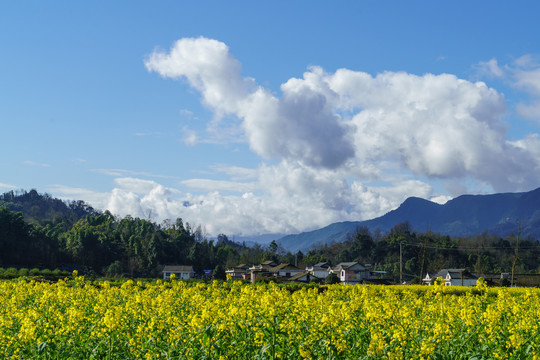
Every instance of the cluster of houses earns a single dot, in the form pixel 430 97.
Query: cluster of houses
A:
pixel 346 272
pixel 350 273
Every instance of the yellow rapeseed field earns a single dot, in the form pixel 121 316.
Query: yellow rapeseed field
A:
pixel 76 319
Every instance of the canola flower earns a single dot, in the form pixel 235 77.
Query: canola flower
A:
pixel 76 319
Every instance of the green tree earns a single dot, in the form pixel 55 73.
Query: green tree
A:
pixel 219 273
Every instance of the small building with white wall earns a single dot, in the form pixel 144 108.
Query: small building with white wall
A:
pixel 181 272
pixel 452 277
pixel 351 272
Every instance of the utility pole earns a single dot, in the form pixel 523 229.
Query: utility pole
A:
pixel 400 262
pixel 516 254
pixel 423 259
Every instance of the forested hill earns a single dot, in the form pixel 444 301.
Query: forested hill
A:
pixel 44 209
pixel 44 232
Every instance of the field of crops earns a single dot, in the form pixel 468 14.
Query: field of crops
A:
pixel 76 319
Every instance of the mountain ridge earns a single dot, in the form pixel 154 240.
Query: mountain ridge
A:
pixel 501 214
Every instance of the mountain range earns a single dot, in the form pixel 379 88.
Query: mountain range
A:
pixel 501 214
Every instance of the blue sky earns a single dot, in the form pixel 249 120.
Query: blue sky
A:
pixel 251 118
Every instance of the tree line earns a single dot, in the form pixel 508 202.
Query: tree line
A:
pixel 40 231
pixel 110 245
pixel 430 252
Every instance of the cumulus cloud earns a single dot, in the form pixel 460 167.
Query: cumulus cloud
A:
pixel 345 145
pixel 208 67
pixel 298 126
pixel 437 126
pixel 290 198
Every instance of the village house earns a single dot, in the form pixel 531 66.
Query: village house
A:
pixel 181 272
pixel 319 270
pixel 301 277
pixel 452 277
pixel 239 272
pixel 285 270
pixel 261 269
pixel 264 267
pixel 351 272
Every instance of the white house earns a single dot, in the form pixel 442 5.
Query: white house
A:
pixel 351 272
pixel 319 270
pixel 181 272
pixel 452 277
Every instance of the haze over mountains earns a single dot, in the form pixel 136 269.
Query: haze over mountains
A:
pixel 501 214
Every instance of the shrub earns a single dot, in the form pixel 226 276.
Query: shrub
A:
pixel 11 272
pixel 114 269
pixel 331 279
pixel 24 272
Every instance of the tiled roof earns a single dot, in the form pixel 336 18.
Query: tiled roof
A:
pixel 324 265
pixel 173 268
pixel 298 276
pixel 346 265
pixel 283 266
pixel 455 274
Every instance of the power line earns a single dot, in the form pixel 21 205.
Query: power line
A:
pixel 471 248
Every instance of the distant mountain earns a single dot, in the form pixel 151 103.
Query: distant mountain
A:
pixel 42 208
pixel 500 214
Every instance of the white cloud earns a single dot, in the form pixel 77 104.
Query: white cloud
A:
pixel 190 136
pixel 186 113
pixel 290 198
pixel 523 74
pixel 128 173
pixel 441 199
pixel 490 68
pixel 33 163
pixel 7 186
pixel 208 67
pixel 137 186
pixel 236 172
pixel 98 200
pixel 299 126
pixel 437 126
pixel 335 135
pixel 527 78
pixel 219 185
